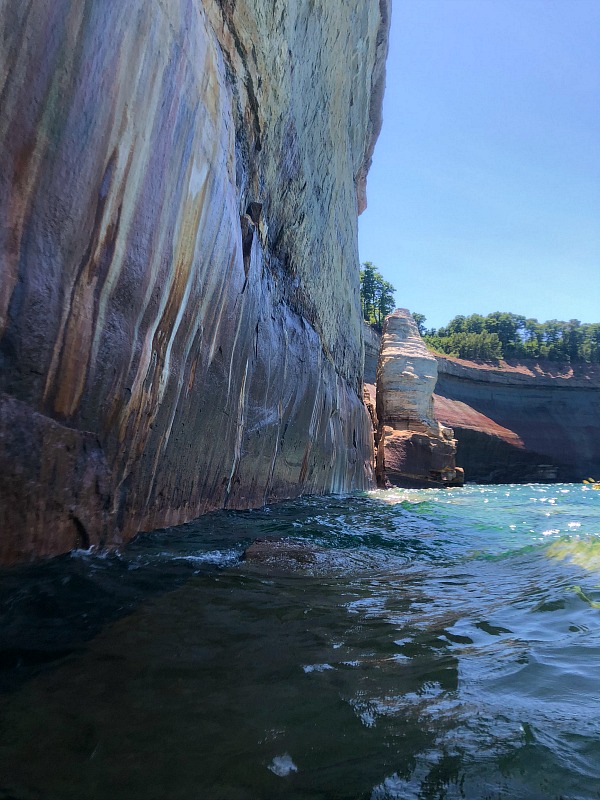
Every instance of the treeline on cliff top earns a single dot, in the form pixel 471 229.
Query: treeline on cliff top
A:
pixel 376 296
pixel 502 335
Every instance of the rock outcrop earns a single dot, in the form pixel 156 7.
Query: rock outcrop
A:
pixel 521 422
pixel 413 448
pixel 180 326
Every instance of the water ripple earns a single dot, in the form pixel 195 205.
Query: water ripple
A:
pixel 438 644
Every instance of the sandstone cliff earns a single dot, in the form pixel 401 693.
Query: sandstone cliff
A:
pixel 520 422
pixel 179 314
pixel 372 342
pixel 413 448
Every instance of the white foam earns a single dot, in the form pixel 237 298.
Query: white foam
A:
pixel 282 765
pixel 211 557
pixel 317 667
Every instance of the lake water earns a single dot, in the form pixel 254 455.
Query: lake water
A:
pixel 437 644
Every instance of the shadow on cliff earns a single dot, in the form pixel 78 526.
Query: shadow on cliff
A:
pixel 521 422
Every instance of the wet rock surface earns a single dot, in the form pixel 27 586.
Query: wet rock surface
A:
pixel 180 325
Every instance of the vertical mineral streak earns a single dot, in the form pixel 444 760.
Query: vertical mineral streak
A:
pixel 179 311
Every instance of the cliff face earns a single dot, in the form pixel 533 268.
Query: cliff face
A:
pixel 413 448
pixel 522 422
pixel 179 312
pixel 372 342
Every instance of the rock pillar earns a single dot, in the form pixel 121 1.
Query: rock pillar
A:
pixel 414 449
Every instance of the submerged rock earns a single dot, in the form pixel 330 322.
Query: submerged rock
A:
pixel 282 552
pixel 180 325
pixel 413 449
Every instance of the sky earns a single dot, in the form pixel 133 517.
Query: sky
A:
pixel 484 194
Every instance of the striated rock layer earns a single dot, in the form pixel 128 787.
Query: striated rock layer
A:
pixel 413 448
pixel 521 422
pixel 179 311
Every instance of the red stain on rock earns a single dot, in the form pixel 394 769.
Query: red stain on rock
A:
pixel 519 422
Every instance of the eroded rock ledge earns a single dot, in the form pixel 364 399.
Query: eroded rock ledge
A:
pixel 413 448
pixel 180 326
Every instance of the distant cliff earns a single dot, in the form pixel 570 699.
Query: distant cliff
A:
pixel 520 422
pixel 180 326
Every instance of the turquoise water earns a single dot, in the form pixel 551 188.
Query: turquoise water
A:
pixel 435 644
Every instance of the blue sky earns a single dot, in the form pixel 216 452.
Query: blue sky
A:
pixel 484 194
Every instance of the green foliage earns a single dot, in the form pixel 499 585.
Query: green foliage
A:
pixel 420 319
pixel 484 345
pixel 504 335
pixel 376 295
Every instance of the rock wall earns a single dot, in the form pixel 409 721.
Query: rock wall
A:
pixel 521 422
pixel 372 341
pixel 179 304
pixel 413 449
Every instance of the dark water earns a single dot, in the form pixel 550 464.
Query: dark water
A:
pixel 441 644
